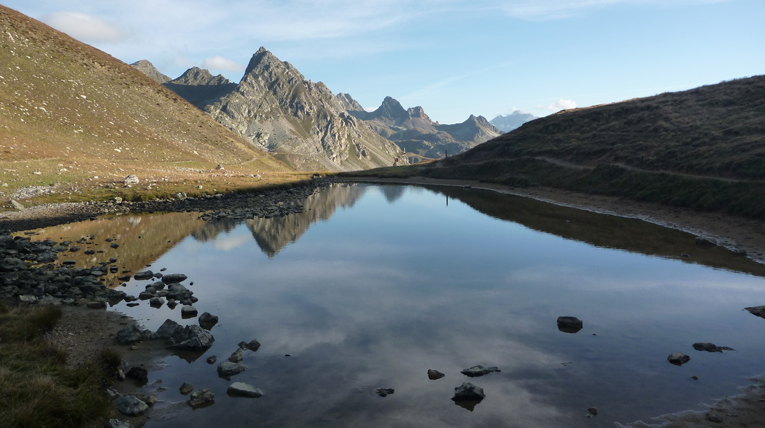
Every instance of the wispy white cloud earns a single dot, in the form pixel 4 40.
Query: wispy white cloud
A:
pixel 562 104
pixel 84 27
pixel 220 63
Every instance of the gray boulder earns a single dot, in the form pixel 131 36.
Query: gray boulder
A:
pixel 207 320
pixel 129 335
pixel 167 330
pixel 130 405
pixel 227 369
pixel 144 275
pixel 173 278
pixel 468 392
pixel 241 389
pixel 236 357
pixel 188 311
pixel 191 337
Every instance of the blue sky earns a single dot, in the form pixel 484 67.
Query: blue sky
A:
pixel 452 57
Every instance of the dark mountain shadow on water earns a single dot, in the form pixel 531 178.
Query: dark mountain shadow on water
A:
pixel 601 230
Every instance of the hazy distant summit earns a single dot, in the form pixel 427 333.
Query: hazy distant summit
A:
pixel 508 122
pixel 200 87
pixel 413 130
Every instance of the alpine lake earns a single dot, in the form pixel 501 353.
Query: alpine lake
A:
pixel 373 285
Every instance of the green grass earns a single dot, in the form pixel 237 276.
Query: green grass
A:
pixel 37 389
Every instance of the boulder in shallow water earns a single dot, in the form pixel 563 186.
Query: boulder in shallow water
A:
pixel 710 347
pixel 435 374
pixel 241 389
pixel 569 324
pixel 678 358
pixel 228 369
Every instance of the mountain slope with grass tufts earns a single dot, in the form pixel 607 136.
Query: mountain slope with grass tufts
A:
pixel 71 114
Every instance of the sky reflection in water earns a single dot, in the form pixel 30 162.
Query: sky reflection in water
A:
pixel 388 282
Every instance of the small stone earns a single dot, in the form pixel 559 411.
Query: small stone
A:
pixel 593 411
pixel 435 374
pixel 252 345
pixel 678 358
pixel 236 357
pixel 138 373
pixel 186 388
pixel 212 359
pixel 569 324
pixel 468 392
pixel 188 311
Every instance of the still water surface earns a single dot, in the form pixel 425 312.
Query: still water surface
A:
pixel 374 285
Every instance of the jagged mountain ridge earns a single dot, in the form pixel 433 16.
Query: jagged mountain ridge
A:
pixel 415 132
pixel 508 122
pixel 300 122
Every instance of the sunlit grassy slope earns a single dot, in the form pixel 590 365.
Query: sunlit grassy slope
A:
pixel 72 115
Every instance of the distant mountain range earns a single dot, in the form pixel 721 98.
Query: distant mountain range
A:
pixel 303 124
pixel 276 109
pixel 416 133
pixel 508 122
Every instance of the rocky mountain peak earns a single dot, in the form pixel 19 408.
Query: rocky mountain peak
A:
pixel 147 68
pixel 200 76
pixel 507 123
pixel 264 60
pixel 417 112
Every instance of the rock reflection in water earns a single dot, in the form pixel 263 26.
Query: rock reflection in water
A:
pixel 273 234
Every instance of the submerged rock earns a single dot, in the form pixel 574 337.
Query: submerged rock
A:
pixel 477 371
pixel 206 320
pixel 384 392
pixel 192 337
pixel 678 358
pixel 236 357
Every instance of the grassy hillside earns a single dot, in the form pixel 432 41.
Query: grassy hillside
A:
pixel 703 149
pixel 73 116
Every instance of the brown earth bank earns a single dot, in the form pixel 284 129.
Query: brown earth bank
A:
pixel 83 331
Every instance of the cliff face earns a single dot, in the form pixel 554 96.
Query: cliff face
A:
pixel 415 132
pixel 297 120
